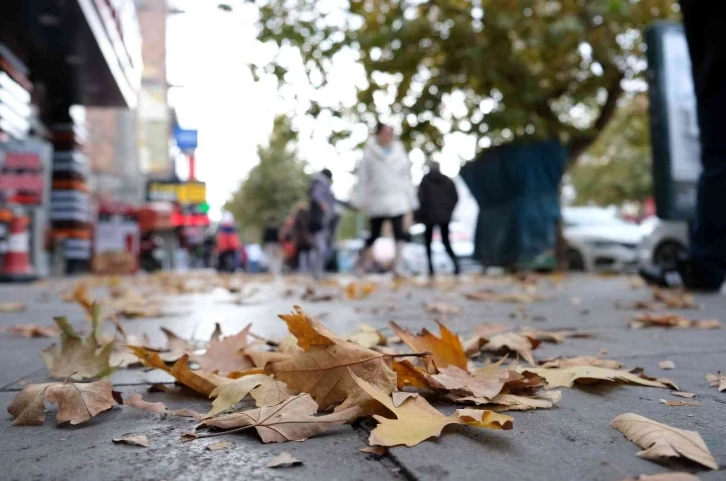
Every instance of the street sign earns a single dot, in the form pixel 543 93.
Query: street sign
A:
pixel 181 192
pixel 185 139
pixel 673 121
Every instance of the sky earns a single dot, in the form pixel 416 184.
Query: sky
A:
pixel 208 56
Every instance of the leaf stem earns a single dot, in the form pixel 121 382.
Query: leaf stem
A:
pixel 413 354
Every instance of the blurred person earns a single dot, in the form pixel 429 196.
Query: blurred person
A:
pixel 437 197
pixel 323 217
pixel 384 191
pixel 254 258
pixel 228 245
pixel 704 268
pixel 272 246
pixel 304 239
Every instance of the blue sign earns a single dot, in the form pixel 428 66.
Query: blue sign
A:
pixel 185 139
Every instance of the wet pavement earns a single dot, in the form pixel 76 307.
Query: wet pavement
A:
pixel 570 442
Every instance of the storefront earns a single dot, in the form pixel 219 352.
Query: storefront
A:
pixel 56 54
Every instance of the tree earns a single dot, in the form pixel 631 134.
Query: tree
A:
pixel 497 70
pixel 273 186
pixel 617 168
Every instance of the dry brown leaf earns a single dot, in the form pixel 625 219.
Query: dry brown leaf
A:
pixel 668 402
pixel 674 299
pixel 367 336
pixel 670 320
pixel 263 358
pixel 445 351
pixel 265 390
pixel 374 450
pixel 322 370
pixel 581 361
pixel 511 341
pixel 665 477
pixel 408 375
pixel 416 420
pixel 180 370
pixel 81 296
pixel 140 440
pixel 12 307
pixel 219 445
pixel 311 295
pixel 33 330
pixel 717 380
pixel 513 402
pixel 76 402
pixel 452 378
pixel 514 297
pixel 566 377
pixel 283 460
pixel 225 355
pixel 687 395
pixel 291 420
pixel 176 346
pixel 482 333
pixel 663 441
pixel 135 401
pixel 78 358
pixel 442 308
pixel 666 365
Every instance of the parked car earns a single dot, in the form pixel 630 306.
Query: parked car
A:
pixel 598 240
pixel 664 244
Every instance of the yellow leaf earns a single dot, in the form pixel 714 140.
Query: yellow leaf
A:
pixel 511 341
pixel 566 377
pixel 416 420
pixel 265 390
pixel 408 375
pixel 180 370
pixel 663 441
pixel 141 440
pixel 445 351
pixel 717 380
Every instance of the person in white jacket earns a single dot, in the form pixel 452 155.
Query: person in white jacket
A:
pixel 384 191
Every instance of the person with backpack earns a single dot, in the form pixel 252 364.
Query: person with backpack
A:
pixel 438 197
pixel 322 217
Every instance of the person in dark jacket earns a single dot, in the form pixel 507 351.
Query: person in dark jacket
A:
pixel 437 198
pixel 304 239
pixel 271 246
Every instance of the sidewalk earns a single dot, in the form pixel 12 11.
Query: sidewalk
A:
pixel 569 442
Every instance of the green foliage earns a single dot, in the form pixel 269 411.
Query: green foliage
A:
pixel 617 168
pixel 348 225
pixel 498 70
pixel 273 186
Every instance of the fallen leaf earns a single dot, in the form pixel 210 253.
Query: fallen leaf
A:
pixel 511 341
pixel 482 333
pixel 717 380
pixel 513 402
pixel 660 440
pixel 416 420
pixel 445 351
pixel 176 346
pixel 141 440
pixel 311 295
pixel 28 408
pixel 291 420
pixel 78 358
pixel 666 365
pixel 567 376
pixel 452 378
pixel 263 358
pixel 665 477
pixel 375 450
pixel 359 291
pixel 367 336
pixel 687 395
pixel 33 330
pixel 674 299
pixel 224 355
pixel 180 370
pixel 12 307
pixel 408 375
pixel 219 445
pixel 670 320
pixel 283 460
pixel 322 369
pixel 81 296
pixel 135 401
pixel 265 390
pixel 581 361
pixel 668 402
pixel 514 297
pixel 442 308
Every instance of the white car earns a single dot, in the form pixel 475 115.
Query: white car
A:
pixel 664 244
pixel 598 240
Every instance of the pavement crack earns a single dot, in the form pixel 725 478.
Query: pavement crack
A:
pixel 389 460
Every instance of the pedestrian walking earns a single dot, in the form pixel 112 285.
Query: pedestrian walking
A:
pixel 437 198
pixel 323 217
pixel 384 191
pixel 304 239
pixel 705 267
pixel 228 245
pixel 272 247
